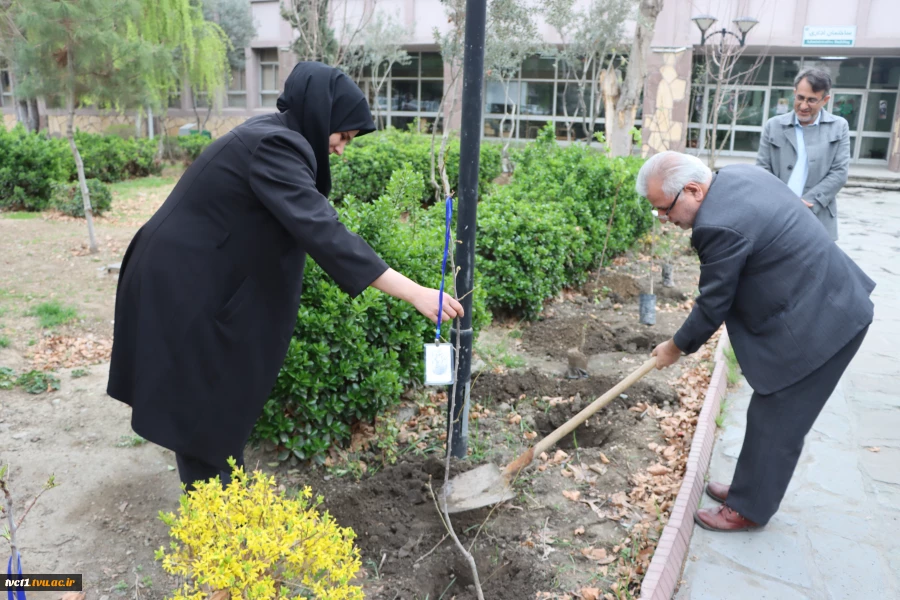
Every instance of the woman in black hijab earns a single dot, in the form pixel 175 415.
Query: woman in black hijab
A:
pixel 210 286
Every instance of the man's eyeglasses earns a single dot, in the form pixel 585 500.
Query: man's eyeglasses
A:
pixel 810 101
pixel 665 214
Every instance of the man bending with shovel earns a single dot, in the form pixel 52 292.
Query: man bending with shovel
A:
pixel 796 306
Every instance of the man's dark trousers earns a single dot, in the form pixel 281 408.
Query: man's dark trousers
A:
pixel 777 424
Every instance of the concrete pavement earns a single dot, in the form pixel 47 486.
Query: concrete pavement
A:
pixel 837 535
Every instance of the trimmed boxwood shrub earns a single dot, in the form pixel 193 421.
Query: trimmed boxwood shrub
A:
pixel 367 163
pixel 31 164
pixel 546 229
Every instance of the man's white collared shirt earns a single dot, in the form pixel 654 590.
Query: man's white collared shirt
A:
pixel 797 181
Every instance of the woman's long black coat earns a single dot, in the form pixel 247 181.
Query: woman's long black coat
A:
pixel 209 288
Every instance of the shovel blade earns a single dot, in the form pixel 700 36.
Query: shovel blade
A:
pixel 482 486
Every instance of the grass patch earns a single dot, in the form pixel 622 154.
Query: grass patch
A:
pixel 720 418
pixel 20 215
pixel 499 355
pixel 131 186
pixel 734 369
pixel 53 314
pixel 4 341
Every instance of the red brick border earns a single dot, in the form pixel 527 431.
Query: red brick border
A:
pixel 664 573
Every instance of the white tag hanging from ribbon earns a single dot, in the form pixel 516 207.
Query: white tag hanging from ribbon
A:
pixel 439 365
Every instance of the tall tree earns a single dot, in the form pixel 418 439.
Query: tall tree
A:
pixel 236 20
pixel 81 49
pixel 451 44
pixel 589 39
pixel 622 100
pixel 10 35
pixel 375 51
pixel 191 50
pixel 327 30
pixel 511 37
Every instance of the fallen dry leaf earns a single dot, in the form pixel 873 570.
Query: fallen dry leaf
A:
pixel 514 419
pixel 874 449
pixel 599 555
pixel 573 495
pixel 220 595
pixel 589 593
pixel 544 457
pixel 658 469
pixel 603 459
pixel 530 435
pixel 579 531
pixel 559 457
pixel 73 596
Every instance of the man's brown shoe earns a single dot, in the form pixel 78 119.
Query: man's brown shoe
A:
pixel 717 491
pixel 723 518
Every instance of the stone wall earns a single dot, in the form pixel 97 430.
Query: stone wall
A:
pixel 666 99
pixel 100 123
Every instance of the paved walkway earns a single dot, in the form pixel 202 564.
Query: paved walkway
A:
pixel 837 535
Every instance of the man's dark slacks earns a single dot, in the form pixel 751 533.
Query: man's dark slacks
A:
pixel 777 424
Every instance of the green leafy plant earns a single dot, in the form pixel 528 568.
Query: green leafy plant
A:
pixel 38 382
pixel 7 378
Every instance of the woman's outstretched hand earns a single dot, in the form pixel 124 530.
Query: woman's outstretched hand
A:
pixel 426 303
pixel 424 299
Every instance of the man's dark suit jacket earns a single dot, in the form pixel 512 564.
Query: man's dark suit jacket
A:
pixel 788 295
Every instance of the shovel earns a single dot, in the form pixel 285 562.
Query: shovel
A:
pixel 487 484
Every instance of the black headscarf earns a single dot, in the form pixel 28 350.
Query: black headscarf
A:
pixel 322 100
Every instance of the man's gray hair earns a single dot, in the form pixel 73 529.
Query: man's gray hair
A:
pixel 674 169
pixel 818 79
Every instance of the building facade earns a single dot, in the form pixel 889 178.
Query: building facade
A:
pixel 857 41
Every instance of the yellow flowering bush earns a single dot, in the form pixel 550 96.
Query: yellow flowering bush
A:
pixel 254 542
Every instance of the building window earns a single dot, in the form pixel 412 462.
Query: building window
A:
pixel 6 96
pixel 411 95
pixel 175 96
pixel 237 89
pixel 546 90
pixel 268 77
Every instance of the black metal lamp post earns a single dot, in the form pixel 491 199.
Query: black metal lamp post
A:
pixel 744 25
pixel 469 153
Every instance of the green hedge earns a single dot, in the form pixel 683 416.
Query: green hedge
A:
pixel 110 158
pixel 33 163
pixel 546 229
pixel 350 359
pixel 67 198
pixel 30 165
pixel 368 162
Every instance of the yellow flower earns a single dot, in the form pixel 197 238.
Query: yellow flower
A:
pixel 256 543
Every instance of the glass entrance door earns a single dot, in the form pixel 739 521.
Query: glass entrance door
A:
pixel 850 106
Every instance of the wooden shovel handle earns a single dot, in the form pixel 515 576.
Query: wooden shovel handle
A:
pixel 569 426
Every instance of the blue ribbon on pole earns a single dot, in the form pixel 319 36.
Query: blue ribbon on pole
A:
pixel 20 593
pixel 437 334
